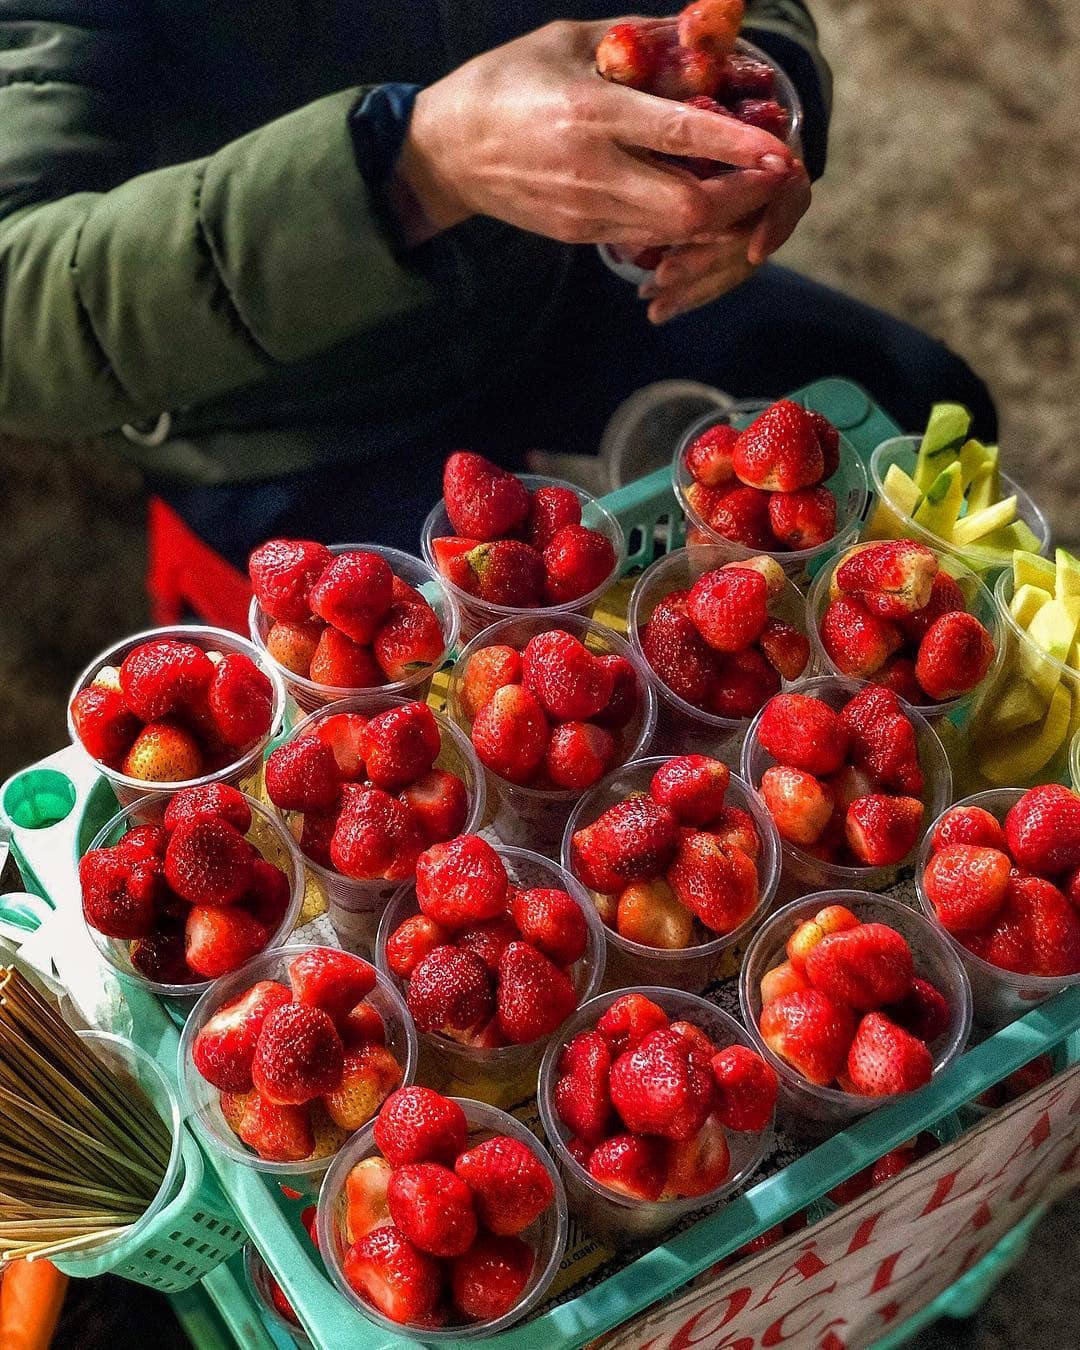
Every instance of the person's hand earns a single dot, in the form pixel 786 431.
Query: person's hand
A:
pixel 530 134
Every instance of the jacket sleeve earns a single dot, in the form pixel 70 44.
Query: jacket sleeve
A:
pixel 786 30
pixel 125 293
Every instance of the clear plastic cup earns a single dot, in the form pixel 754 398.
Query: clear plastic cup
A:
pixel 258 1278
pixel 129 790
pixel 616 1218
pixel 978 601
pixel 546 1235
pixel 1074 763
pixel 808 1105
pixel 888 521
pixel 691 968
pixel 680 727
pixel 478 614
pixel 1025 718
pixel 536 817
pixel 267 834
pixel 503 1075
pixel 355 907
pixel 309 695
pixel 803 872
pixel 999 996
pixel 200 1098
pixel 847 484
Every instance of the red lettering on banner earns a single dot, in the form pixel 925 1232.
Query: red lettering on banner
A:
pixel 888 1312
pixel 982 1216
pixel 1033 1140
pixel 864 1235
pixel 1071 1161
pixel 943 1191
pixel 735 1301
pixel 774 1334
pixel 883 1276
pixel 804 1267
pixel 829 1339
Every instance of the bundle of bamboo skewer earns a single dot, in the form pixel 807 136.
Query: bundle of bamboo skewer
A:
pixel 83 1152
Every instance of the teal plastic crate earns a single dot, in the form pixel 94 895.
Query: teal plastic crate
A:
pixel 51 822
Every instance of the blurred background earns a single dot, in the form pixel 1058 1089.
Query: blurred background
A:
pixel 952 198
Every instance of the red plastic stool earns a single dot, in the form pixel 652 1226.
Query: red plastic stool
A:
pixel 185 576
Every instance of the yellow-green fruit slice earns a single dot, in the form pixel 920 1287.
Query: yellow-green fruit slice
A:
pixel 1032 569
pixel 971 528
pixel 1016 759
pixel 946 431
pixel 939 509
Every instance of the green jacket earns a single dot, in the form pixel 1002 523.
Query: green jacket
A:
pixel 183 226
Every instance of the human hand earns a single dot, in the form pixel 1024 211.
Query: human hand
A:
pixel 530 134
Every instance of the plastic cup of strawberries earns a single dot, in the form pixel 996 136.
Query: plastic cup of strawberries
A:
pixel 711 684
pixel 690 845
pixel 445 1219
pixel 492 949
pixel 302 1046
pixel 349 620
pixel 999 875
pixel 269 1295
pixel 634 1166
pixel 852 789
pixel 179 889
pixel 813 512
pixel 388 778
pixel 938 655
pixel 510 544
pixel 550 706
pixel 172 707
pixel 863 1001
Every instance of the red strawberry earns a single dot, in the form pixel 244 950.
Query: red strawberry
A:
pixel 1004 944
pixel 578 561
pixel 330 979
pixel 924 1011
pixel 394 1276
pixel 241 700
pixel 208 862
pixel 831 919
pixel 634 839
pixel 782 979
pixel 884 1058
pixel 968 825
pixel 827 434
pixel 433 1208
pixel 945 598
pixel 145 843
pixel 966 884
pixel 510 734
pixel 375 837
pixel 488 939
pixel 268 896
pixel 409 638
pixel 225 1047
pixel 510 1184
pixel 1048 922
pixel 362 1025
pixel 410 942
pixel 483 500
pixel 709 458
pixel 741 514
pixel 715 881
pixel 857 642
pixel 700 1164
pixel 892 577
pixel 804 733
pixel 648 913
pixel 882 739
pixel 109 903
pixel 785 648
pixel 864 967
pixel 160 957
pixel 419 1125
pixel 677 652
pixel 354 593
pixel 293 645
pixel 664 1086
pixel 579 754
pixel 283 572
pixel 489 669
pixel 276 1133
pixel 954 656
pixel 898 674
pixel 400 745
pixel 211 799
pixel 683 73
pixel 799 805
pixel 631 1164
pixel 570 682
pixel 735 826
pixel 810 1032
pixel 164 676
pixel 317 833
pixel 488 1280
pixel 691 786
pixel 450 993
pixel 588 865
pixel 712 25
pixel 298 1055
pixel 534 997
pixel 770 116
pixel 581 1096
pixel 747 75
pixel 217 939
pixel 806 518
pixel 341 663
pixel 779 451
pixel 303 775
pixel 728 607
pixel 627 54
pixel 744 683
pixel 553 922
pixel 1043 830
pixel 881 830
pixel 623 703
pixel 344 734
pixel 508 572
pixel 550 508
pixel 365 1196
pixel 104 724
pixel 440 805
pixel 746 1088
pixel 461 882
pixel 626 1023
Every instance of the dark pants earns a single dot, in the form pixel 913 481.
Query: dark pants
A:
pixel 773 334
